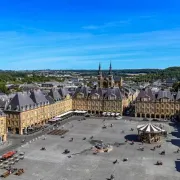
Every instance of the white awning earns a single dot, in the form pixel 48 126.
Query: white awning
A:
pixel 117 114
pixel 104 113
pixel 112 114
pixel 81 112
pixel 54 119
pixel 61 115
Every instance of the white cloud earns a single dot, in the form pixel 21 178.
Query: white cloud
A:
pixel 80 58
pixel 22 50
pixel 107 25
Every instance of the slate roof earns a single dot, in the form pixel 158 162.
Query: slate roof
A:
pixel 63 92
pixel 3 103
pixel 165 94
pixel 159 95
pixel 2 113
pixel 3 95
pixel 19 101
pixel 83 90
pixel 113 91
pixel 54 83
pixel 10 96
pixel 38 97
pixel 150 93
pixel 27 87
pixel 102 92
pixel 146 93
pixel 55 94
pixel 98 91
pixel 23 101
pixel 178 96
pixel 50 99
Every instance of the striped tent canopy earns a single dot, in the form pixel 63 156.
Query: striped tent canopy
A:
pixel 149 128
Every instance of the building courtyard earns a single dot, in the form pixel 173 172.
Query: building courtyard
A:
pixel 52 164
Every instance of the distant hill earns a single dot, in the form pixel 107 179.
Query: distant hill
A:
pixel 175 68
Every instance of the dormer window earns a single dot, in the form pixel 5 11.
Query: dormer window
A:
pixel 27 107
pixel 22 108
pixel 112 97
pixel 31 106
pixel 9 107
pixel 95 96
pixel 17 108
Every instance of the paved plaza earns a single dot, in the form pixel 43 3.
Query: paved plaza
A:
pixel 52 164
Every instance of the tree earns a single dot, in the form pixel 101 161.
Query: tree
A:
pixel 3 88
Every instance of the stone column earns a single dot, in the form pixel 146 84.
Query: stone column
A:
pixel 14 131
pixel 5 138
pixel 21 131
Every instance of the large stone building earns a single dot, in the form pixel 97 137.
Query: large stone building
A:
pixel 98 100
pixel 28 109
pixel 3 129
pixel 110 95
pixel 161 104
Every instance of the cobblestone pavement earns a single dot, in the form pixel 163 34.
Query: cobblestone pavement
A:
pixel 52 164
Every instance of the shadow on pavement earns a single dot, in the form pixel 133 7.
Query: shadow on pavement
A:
pixel 175 142
pixel 132 137
pixel 176 134
pixel 177 163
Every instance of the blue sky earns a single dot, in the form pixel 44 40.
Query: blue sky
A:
pixel 78 34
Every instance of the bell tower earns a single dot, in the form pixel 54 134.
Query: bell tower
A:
pixel 110 77
pixel 121 82
pixel 100 77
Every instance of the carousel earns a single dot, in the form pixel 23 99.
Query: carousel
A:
pixel 150 133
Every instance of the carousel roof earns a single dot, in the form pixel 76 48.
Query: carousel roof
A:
pixel 149 128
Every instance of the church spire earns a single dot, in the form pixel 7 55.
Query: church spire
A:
pixel 110 69
pixel 99 71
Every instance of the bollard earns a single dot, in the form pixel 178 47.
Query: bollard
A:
pixel 29 142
